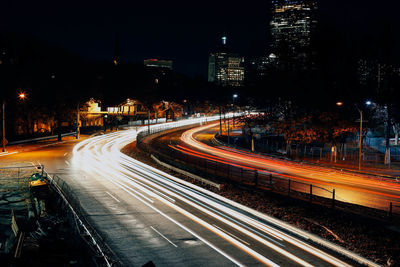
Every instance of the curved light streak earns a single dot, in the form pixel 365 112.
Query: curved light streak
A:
pixel 305 172
pixel 102 155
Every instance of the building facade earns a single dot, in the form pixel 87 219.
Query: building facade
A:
pixel 224 68
pixel 377 76
pixel 158 63
pixel 293 27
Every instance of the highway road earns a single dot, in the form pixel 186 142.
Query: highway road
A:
pixel 351 187
pixel 145 214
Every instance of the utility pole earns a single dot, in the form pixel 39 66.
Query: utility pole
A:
pixel 220 121
pixel 361 125
pixel 228 132
pixel 148 122
pixel 387 135
pixel 4 126
pixel 233 108
pixel 77 123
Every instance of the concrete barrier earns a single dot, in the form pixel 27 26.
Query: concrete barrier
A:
pixel 188 174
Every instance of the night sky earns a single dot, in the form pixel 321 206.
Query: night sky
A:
pixel 185 31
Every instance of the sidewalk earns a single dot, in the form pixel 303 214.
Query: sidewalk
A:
pixel 13 149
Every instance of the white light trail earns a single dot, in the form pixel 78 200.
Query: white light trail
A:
pixel 102 155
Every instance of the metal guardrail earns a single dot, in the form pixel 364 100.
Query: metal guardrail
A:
pixel 249 177
pixel 40 138
pixel 88 233
pixel 152 129
pixel 188 174
pixel 252 178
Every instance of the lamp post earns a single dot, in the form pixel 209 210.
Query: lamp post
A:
pixel 234 96
pixel 4 126
pixel 22 97
pixel 220 120
pixel 339 104
pixel 361 125
pixel 77 122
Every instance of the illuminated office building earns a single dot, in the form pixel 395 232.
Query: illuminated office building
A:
pixel 293 27
pixel 224 68
pixel 375 75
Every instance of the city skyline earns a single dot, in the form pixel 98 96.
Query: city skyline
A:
pixel 208 133
pixel 165 31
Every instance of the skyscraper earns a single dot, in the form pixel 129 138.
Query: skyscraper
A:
pixel 293 27
pixel 376 76
pixel 225 68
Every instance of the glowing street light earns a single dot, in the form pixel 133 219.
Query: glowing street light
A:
pixel 4 126
pixel 22 96
pixel 368 103
pixel 234 96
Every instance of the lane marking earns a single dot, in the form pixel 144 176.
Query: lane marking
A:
pixel 179 224
pixel 66 153
pixel 163 195
pixel 113 197
pixel 7 153
pixel 231 235
pixel 67 162
pixel 135 196
pixel 155 230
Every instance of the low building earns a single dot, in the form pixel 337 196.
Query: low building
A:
pixel 168 110
pixel 158 63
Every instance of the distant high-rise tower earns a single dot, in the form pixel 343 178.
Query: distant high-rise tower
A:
pixel 224 40
pixel 117 55
pixel 293 27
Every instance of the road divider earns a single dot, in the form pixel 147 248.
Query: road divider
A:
pixel 188 174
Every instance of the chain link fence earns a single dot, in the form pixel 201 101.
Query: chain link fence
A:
pixel 252 179
pixel 346 154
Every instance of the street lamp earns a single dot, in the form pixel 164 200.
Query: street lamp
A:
pixel 21 96
pixel 339 103
pixel 361 125
pixel 234 96
pixel 4 126
pixel 77 121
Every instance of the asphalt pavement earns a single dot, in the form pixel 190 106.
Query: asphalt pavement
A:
pixel 147 215
pixel 356 188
